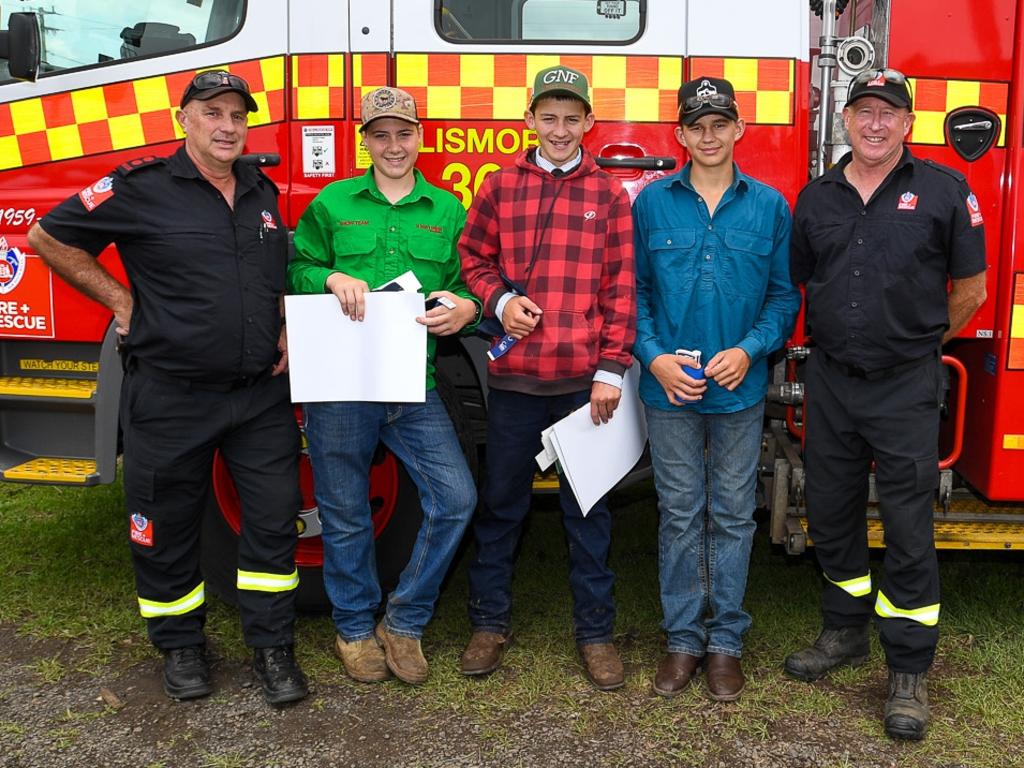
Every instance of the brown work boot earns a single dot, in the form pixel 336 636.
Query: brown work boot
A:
pixel 484 653
pixel 906 710
pixel 602 665
pixel 725 677
pixel 675 671
pixel 363 660
pixel 404 656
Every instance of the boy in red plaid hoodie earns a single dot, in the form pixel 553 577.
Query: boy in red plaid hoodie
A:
pixel 548 249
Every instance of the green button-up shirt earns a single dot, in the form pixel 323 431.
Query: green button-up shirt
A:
pixel 350 227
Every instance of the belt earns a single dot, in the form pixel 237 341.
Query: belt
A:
pixel 879 373
pixel 153 372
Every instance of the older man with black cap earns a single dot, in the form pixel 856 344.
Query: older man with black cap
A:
pixel 357 233
pixel 876 240
pixel 205 251
pixel 712 248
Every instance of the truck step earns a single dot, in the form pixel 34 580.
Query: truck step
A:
pixel 38 386
pixel 52 469
pixel 956 534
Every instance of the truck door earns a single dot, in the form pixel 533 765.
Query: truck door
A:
pixel 471 65
pixel 110 79
pixel 338 51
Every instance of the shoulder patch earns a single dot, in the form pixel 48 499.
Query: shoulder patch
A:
pixel 946 170
pixel 140 162
pixel 97 193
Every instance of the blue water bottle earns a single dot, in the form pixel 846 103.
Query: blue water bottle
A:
pixel 691 371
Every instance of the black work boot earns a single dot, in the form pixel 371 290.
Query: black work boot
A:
pixel 833 648
pixel 186 673
pixel 279 674
pixel 906 710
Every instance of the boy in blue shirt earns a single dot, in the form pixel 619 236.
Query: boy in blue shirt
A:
pixel 712 261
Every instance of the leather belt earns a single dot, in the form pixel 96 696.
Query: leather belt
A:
pixel 879 373
pixel 153 372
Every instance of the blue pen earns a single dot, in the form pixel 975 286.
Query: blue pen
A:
pixel 504 344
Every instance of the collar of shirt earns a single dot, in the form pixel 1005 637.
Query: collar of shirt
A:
pixel 568 167
pixel 837 173
pixel 366 185
pixel 181 165
pixel 739 179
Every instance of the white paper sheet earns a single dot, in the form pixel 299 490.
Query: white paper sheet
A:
pixel 595 458
pixel 381 359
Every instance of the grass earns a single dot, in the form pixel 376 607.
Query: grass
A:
pixel 68 578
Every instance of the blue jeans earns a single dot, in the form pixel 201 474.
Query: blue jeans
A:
pixel 342 439
pixel 514 424
pixel 705 472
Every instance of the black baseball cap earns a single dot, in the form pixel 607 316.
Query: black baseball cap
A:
pixel 208 85
pixel 886 84
pixel 707 95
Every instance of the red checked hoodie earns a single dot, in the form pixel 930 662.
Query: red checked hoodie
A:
pixel 577 231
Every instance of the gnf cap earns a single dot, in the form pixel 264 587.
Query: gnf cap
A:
pixel 561 81
pixel 388 102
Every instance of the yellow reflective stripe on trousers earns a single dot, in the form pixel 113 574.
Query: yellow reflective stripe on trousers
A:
pixel 927 615
pixel 857 587
pixel 268 582
pixel 153 608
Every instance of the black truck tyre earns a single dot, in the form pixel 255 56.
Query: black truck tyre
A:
pixel 394 503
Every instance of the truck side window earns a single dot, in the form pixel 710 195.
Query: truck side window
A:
pixel 77 34
pixel 510 21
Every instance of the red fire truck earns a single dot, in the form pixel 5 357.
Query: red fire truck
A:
pixel 86 85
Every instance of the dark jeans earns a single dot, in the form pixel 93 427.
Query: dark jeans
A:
pixel 515 422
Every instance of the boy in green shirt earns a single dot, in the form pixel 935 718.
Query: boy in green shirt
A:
pixel 358 233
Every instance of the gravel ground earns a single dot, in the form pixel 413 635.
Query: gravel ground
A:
pixel 121 717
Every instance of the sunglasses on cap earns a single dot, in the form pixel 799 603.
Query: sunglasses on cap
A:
pixel 893 76
pixel 218 78
pixel 717 100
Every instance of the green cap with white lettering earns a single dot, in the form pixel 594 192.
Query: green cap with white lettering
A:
pixel 561 81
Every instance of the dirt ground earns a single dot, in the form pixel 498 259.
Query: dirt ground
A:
pixel 120 717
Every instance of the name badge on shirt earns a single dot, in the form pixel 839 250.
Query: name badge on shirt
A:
pixel 908 202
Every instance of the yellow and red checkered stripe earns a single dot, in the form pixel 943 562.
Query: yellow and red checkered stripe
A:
pixel 934 99
pixel 764 87
pixel 123 115
pixel 1015 356
pixel 480 86
pixel 318 86
pixel 369 71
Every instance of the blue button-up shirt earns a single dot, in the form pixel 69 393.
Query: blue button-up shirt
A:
pixel 712 282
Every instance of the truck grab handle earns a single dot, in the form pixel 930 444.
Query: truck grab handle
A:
pixel 641 163
pixel 261 159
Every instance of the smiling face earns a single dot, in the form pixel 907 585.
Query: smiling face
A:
pixel 393 145
pixel 215 130
pixel 560 124
pixel 710 140
pixel 877 130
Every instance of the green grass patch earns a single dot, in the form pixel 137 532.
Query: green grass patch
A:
pixel 65 557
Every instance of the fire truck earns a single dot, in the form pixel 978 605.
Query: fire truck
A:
pixel 86 85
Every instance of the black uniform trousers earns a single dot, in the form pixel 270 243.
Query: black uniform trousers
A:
pixel 893 420
pixel 171 430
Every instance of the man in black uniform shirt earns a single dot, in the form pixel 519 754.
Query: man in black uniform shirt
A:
pixel 205 251
pixel 874 241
